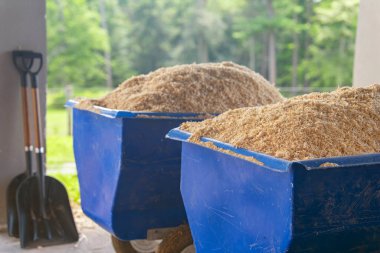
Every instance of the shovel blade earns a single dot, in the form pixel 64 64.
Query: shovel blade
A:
pixel 57 227
pixel 12 213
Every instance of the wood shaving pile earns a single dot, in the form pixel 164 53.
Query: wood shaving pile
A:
pixel 197 88
pixel 328 164
pixel 249 158
pixel 176 240
pixel 317 125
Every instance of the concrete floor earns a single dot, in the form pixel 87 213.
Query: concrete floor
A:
pixel 92 238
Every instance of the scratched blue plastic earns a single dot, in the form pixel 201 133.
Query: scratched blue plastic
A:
pixel 234 205
pixel 129 173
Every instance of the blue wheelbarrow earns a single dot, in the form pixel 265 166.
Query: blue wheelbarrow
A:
pixel 275 205
pixel 129 173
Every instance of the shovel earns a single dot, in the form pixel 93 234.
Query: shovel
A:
pixel 23 61
pixel 45 216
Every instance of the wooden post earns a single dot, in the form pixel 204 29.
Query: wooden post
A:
pixel 367 48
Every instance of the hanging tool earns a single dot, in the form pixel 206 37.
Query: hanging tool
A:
pixel 45 216
pixel 23 61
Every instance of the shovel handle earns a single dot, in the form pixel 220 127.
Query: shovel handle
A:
pixel 25 116
pixel 34 71
pixel 27 142
pixel 23 62
pixel 28 159
pixel 37 119
pixel 38 148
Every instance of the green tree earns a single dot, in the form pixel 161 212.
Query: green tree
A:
pixel 294 43
pixel 332 50
pixel 148 35
pixel 118 26
pixel 266 28
pixel 76 44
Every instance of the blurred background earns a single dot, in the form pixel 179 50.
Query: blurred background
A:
pixel 299 45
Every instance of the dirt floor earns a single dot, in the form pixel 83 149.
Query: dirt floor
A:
pixel 92 238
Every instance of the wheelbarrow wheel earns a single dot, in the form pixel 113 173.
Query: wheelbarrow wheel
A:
pixel 177 241
pixel 135 246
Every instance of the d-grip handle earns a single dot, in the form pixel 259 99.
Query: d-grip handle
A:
pixel 23 61
pixel 35 71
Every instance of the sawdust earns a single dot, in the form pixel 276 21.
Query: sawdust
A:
pixel 249 158
pixel 176 241
pixel 87 104
pixel 327 164
pixel 317 125
pixel 197 88
pixel 196 117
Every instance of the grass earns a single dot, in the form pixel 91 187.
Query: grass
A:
pixel 70 181
pixel 58 139
pixel 57 122
pixel 59 142
pixel 59 151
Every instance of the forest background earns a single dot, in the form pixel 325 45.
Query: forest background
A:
pixel 94 45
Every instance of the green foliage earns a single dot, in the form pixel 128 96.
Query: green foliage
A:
pixel 58 142
pixel 70 181
pixel 94 92
pixel 147 35
pixel 56 121
pixel 119 40
pixel 314 39
pixel 75 44
pixel 331 54
pixel 56 100
pixel 59 145
pixel 59 150
pixel 314 47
